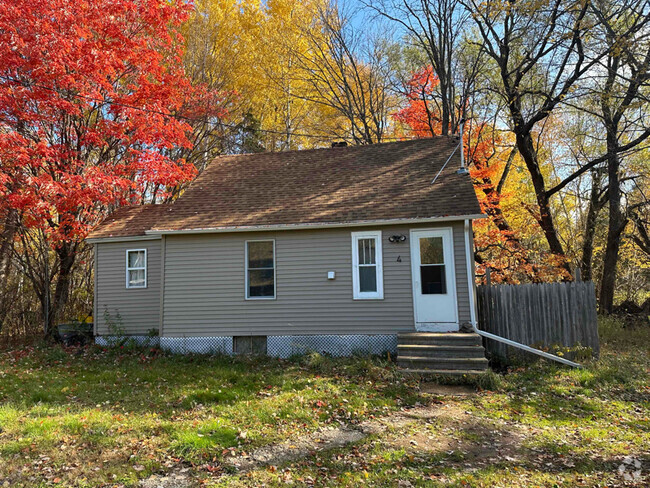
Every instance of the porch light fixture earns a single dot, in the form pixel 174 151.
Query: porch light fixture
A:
pixel 397 238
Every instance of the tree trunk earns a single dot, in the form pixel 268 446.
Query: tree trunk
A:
pixel 445 107
pixel 586 263
pixel 6 242
pixel 493 210
pixel 527 150
pixel 66 253
pixel 641 238
pixel 616 225
pixel 6 239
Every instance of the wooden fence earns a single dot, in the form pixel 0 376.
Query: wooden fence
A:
pixel 543 315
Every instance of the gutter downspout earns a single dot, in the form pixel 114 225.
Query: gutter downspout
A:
pixel 469 256
pixel 472 307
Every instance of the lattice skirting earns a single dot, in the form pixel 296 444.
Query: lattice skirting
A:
pixel 141 341
pixel 277 346
pixel 335 345
pixel 199 345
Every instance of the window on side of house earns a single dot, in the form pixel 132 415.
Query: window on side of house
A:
pixel 136 268
pixel 367 273
pixel 260 270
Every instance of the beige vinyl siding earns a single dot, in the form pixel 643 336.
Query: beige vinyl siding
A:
pixel 138 308
pixel 460 262
pixel 204 292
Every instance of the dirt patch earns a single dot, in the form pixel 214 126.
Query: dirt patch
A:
pixel 420 442
pixel 302 447
pixel 453 430
pixel 421 431
pixel 323 440
pixel 179 479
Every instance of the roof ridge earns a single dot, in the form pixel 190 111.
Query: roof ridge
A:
pixel 342 148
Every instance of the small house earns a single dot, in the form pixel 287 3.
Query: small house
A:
pixel 336 250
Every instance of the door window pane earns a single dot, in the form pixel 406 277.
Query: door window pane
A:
pixel 367 279
pixel 431 251
pixel 433 280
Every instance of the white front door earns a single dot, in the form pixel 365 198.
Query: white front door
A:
pixel 434 286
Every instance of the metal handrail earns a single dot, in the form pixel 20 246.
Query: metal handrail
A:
pixel 518 345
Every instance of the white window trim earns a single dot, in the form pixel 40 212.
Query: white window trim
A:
pixel 136 268
pixel 379 256
pixel 246 288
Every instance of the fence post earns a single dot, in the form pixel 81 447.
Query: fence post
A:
pixel 488 280
pixel 577 274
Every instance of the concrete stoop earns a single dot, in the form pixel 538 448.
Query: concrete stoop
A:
pixel 449 354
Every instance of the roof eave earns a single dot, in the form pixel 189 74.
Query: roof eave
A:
pixel 95 240
pixel 317 225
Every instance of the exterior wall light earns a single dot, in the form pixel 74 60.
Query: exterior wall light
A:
pixel 397 238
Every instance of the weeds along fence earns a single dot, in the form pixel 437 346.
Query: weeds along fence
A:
pixel 550 316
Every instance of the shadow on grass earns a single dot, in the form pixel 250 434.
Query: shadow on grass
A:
pixel 135 381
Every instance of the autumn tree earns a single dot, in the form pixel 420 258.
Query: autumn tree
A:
pixel 538 50
pixel 251 50
pixel 92 95
pixel 618 99
pixel 437 29
pixel 421 114
pixel 348 72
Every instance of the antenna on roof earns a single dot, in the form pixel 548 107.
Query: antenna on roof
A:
pixel 463 168
pixel 444 165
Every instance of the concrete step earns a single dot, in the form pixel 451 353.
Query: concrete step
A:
pixel 417 362
pixel 435 338
pixel 443 372
pixel 440 351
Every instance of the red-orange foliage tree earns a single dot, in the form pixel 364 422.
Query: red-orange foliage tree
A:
pixel 498 245
pixel 87 93
pixel 421 114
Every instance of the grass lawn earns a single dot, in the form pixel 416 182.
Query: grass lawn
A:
pixel 114 418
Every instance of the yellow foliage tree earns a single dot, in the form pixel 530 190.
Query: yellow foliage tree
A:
pixel 249 49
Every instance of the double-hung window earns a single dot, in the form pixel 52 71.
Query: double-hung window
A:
pixel 136 268
pixel 367 274
pixel 260 270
